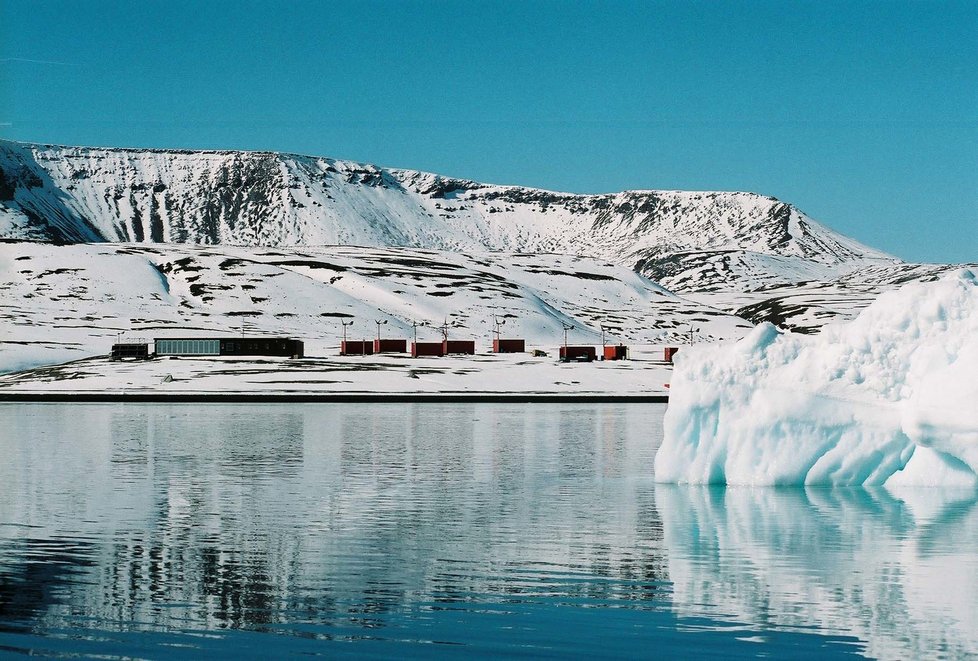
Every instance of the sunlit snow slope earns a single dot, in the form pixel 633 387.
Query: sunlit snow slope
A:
pixel 64 302
pixel 685 240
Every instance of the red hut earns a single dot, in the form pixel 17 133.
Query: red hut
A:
pixel 508 346
pixel 616 352
pixel 356 348
pixel 436 349
pixel 668 353
pixel 390 346
pixel 458 346
pixel 577 353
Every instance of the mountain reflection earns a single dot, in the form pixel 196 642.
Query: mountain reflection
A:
pixel 897 570
pixel 318 520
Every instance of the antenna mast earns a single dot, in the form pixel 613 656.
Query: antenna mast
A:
pixel 567 327
pixel 345 324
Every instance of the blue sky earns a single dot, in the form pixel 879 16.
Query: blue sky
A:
pixel 864 115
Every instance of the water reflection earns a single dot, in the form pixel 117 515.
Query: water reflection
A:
pixel 897 570
pixel 503 528
pixel 364 522
pixel 41 579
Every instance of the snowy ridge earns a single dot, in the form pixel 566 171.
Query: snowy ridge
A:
pixel 64 302
pixel 689 240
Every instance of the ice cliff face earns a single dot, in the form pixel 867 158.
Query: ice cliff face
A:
pixel 687 240
pixel 885 399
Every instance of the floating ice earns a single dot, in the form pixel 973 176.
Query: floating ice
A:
pixel 891 397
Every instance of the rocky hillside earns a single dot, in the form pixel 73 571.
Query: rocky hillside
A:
pixel 688 241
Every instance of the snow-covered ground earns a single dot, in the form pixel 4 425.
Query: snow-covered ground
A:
pixel 486 374
pixel 887 398
pixel 64 303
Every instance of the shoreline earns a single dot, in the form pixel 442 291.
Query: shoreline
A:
pixel 326 398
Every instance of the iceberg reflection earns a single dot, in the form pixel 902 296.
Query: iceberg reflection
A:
pixel 897 569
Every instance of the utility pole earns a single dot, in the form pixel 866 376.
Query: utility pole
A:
pixel 602 337
pixel 498 323
pixel 345 324
pixel 567 327
pixel 379 323
pixel 416 324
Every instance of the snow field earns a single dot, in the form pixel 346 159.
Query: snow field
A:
pixel 61 303
pixel 483 373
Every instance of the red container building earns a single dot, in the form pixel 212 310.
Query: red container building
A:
pixel 390 346
pixel 459 346
pixel 508 346
pixel 616 352
pixel 577 353
pixel 668 353
pixel 356 348
pixel 436 349
pixel 123 350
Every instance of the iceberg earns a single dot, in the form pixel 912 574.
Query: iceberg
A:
pixel 889 398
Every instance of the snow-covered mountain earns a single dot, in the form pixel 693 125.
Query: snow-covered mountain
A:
pixel 739 253
pixel 688 241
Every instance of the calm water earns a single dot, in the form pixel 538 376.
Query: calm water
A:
pixel 448 530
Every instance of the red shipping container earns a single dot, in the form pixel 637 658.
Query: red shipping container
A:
pixel 669 352
pixel 618 352
pixel 356 348
pixel 390 346
pixel 436 349
pixel 581 353
pixel 459 346
pixel 508 346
